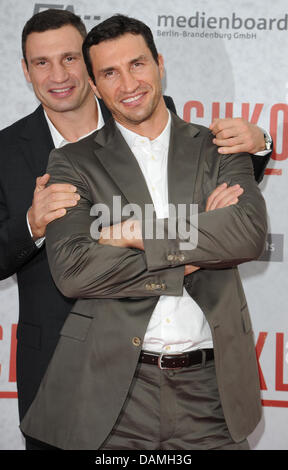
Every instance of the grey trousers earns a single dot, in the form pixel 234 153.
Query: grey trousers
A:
pixel 172 409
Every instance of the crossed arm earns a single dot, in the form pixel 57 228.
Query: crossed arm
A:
pixel 85 268
pixel 232 135
pixel 225 237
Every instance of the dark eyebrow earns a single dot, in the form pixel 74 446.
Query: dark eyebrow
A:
pixel 107 69
pixel 141 57
pixel 37 59
pixel 63 55
pixel 132 61
pixel 67 54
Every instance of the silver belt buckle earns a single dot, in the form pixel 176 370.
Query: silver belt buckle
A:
pixel 165 368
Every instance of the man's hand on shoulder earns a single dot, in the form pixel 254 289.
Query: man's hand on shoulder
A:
pixel 234 135
pixel 49 203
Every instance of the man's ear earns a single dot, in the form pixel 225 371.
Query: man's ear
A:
pixel 94 88
pixel 25 71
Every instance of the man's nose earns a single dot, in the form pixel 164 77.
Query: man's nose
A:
pixel 128 82
pixel 59 73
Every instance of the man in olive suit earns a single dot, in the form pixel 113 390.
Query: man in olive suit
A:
pixel 158 351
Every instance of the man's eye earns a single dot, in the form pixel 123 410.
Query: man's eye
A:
pixel 41 62
pixel 109 74
pixel 69 59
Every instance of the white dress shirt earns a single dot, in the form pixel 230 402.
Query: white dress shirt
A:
pixel 60 141
pixel 177 323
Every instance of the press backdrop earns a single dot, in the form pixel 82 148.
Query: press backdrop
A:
pixel 223 58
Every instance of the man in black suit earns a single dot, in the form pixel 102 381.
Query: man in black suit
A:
pixel 52 50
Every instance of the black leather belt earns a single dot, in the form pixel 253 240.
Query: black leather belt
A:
pixel 177 361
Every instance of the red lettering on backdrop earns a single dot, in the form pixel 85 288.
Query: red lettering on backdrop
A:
pixel 274 116
pixel 259 347
pixel 256 112
pixel 13 348
pixel 277 110
pixel 189 106
pixel 216 110
pixel 279 364
pixel 12 364
pixel 245 111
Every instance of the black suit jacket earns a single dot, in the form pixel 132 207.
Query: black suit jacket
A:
pixel 25 148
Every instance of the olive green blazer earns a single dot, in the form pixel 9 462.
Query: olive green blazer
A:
pixel 89 376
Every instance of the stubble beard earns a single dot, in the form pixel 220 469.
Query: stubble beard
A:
pixel 131 118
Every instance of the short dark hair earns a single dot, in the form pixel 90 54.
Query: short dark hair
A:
pixel 51 19
pixel 112 28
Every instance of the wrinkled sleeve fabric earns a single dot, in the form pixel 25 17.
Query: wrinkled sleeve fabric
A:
pixel 83 268
pixel 222 237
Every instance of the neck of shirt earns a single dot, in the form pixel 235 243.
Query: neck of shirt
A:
pixel 60 141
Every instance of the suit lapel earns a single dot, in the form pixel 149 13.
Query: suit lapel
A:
pixel 117 158
pixel 183 161
pixel 121 164
pixel 37 142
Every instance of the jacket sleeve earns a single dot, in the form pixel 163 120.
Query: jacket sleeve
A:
pixel 259 165
pixel 16 244
pixel 220 238
pixel 259 162
pixel 83 268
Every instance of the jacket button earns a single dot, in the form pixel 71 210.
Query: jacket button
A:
pixel 170 257
pixel 181 258
pixel 136 341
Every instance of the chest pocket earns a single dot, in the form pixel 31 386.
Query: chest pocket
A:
pixel 76 326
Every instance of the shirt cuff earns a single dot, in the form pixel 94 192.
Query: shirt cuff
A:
pixel 263 153
pixel 39 242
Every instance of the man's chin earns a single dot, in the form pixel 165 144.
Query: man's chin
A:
pixel 61 107
pixel 134 117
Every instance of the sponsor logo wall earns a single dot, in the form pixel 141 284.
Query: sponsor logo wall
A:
pixel 222 59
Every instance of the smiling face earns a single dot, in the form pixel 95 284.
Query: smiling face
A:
pixel 56 69
pixel 129 80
